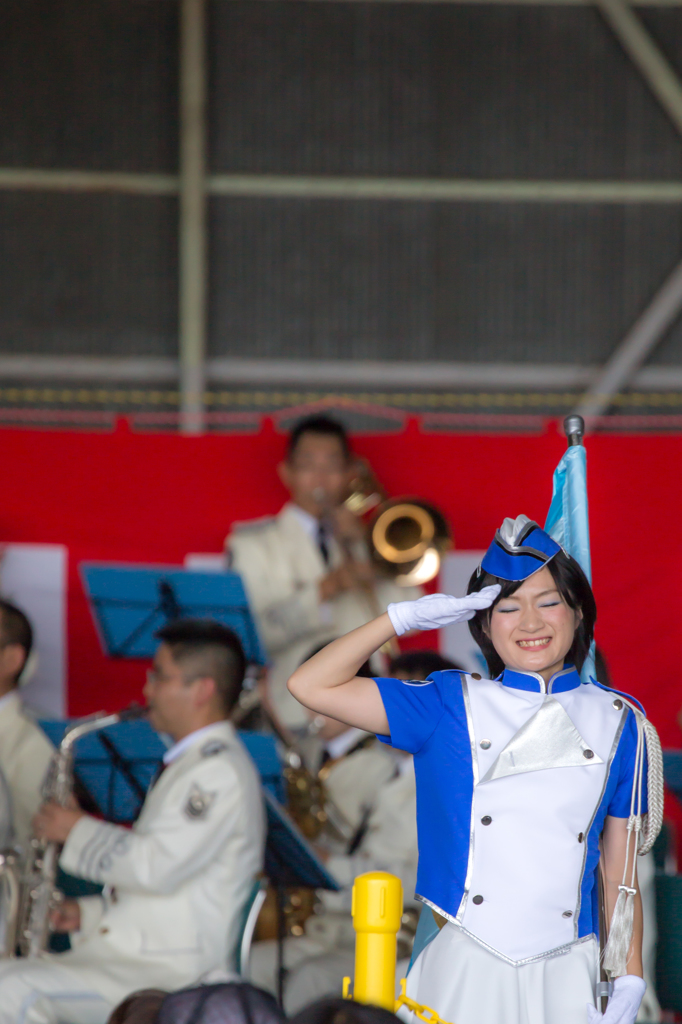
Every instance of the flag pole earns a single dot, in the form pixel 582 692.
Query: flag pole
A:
pixel 574 428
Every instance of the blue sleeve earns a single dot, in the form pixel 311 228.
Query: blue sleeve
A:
pixel 624 765
pixel 413 709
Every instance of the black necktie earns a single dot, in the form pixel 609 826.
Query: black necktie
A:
pixel 322 543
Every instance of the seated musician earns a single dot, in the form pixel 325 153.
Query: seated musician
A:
pixel 25 751
pixel 176 884
pixel 307 570
pixel 374 796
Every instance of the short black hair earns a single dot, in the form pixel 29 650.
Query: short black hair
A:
pixel 15 629
pixel 324 426
pixel 420 664
pixel 204 647
pixel 574 587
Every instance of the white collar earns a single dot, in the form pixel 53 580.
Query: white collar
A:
pixel 340 745
pixel 8 698
pixel 179 748
pixel 310 524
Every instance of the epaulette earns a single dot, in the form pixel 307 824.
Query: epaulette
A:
pixel 253 525
pixel 619 693
pixel 213 747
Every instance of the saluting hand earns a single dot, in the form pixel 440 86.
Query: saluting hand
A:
pixel 54 822
pixel 437 610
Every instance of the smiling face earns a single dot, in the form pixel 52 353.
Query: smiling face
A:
pixel 533 630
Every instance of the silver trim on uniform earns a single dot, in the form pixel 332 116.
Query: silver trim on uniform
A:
pixel 550 954
pixel 614 748
pixel 474 769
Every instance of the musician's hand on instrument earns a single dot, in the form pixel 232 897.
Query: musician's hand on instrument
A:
pixel 337 581
pixel 66 917
pixel 623 1006
pixel 54 822
pixel 348 526
pixel 437 610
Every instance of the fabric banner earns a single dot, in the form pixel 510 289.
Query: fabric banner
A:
pixel 568 521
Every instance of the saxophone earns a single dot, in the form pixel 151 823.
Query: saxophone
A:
pixel 30 889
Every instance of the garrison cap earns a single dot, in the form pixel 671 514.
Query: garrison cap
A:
pixel 519 549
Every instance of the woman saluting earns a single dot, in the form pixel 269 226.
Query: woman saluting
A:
pixel 528 784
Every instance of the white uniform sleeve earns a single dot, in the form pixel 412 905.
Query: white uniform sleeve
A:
pixel 287 609
pixel 201 812
pixel 389 842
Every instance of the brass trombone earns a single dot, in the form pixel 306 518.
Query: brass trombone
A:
pixel 408 537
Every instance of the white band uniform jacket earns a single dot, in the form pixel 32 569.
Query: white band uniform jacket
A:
pixel 514 781
pixel 176 884
pixel 281 566
pixel 25 756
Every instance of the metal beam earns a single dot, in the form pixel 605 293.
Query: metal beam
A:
pixel 192 263
pixel 524 3
pixel 341 187
pixel 645 54
pixel 322 373
pixel 42 180
pixel 452 190
pixel 637 344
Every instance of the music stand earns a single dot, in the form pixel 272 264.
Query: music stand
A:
pixel 114 767
pixel 130 602
pixel 289 861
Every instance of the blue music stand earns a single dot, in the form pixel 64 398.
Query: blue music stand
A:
pixel 289 861
pixel 289 858
pixel 130 602
pixel 115 766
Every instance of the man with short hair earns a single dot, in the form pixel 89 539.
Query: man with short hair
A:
pixel 307 571
pixel 25 751
pixel 176 884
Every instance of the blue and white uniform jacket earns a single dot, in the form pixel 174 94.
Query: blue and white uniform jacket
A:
pixel 514 781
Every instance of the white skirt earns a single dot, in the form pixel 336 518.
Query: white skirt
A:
pixel 465 984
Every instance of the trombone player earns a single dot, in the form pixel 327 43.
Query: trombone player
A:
pixel 307 570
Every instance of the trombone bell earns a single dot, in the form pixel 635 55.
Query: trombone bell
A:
pixel 408 539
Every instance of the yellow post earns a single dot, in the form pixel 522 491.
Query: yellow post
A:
pixel 377 912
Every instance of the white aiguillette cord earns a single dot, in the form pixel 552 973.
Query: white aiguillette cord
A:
pixel 617 950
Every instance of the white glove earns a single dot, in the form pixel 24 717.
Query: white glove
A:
pixel 436 610
pixel 622 1007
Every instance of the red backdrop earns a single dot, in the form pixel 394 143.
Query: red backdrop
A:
pixel 155 497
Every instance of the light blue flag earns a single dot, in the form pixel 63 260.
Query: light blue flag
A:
pixel 568 520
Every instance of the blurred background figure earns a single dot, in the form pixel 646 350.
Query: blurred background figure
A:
pixel 139 1008
pixel 229 1003
pixel 420 664
pixel 371 804
pixel 343 1011
pixel 25 751
pixel 307 571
